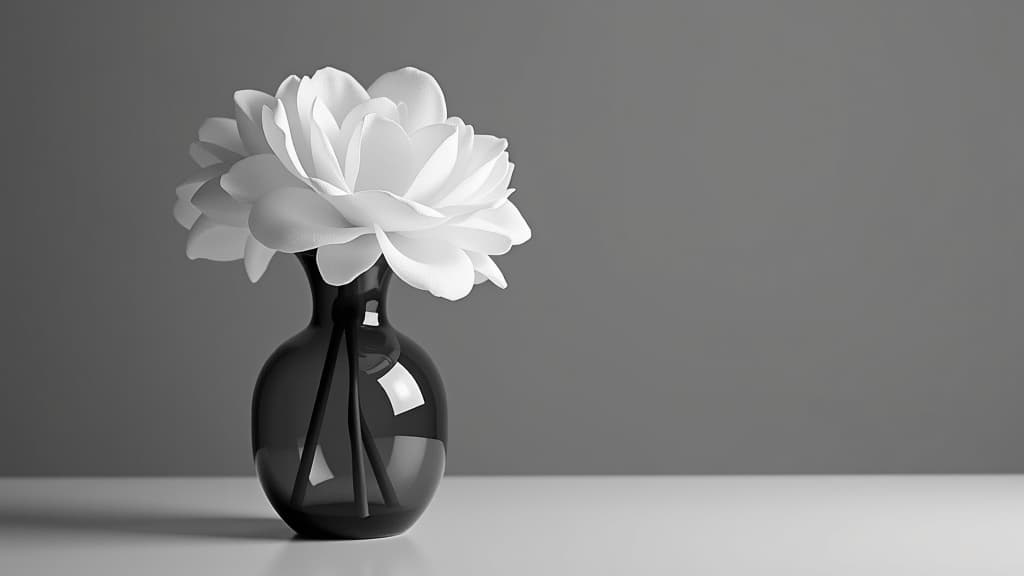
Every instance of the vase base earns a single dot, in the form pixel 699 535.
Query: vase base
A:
pixel 340 522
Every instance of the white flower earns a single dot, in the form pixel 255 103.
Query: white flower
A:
pixel 355 173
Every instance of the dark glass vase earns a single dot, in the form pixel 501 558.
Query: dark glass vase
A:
pixel 349 420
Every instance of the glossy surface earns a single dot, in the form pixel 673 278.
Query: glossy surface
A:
pixel 515 526
pixel 368 473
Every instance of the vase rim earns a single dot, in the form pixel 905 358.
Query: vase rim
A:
pixel 368 290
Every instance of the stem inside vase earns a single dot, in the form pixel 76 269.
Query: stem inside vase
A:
pixel 346 315
pixel 355 416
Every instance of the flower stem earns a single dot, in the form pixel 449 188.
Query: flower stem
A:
pixel 319 408
pixel 355 417
pixel 380 471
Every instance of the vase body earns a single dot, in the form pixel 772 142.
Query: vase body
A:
pixel 338 462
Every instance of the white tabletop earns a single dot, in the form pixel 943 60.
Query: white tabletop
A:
pixel 933 525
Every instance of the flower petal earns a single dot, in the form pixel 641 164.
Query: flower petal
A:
pixel 352 152
pixel 385 157
pixel 342 263
pixel 219 206
pixel 297 219
pixel 496 197
pixel 327 189
pixel 292 117
pixel 337 90
pixel 438 267
pixel 325 161
pixel 466 136
pixel 420 93
pixel 486 241
pixel 223 132
pixel 188 188
pixel 288 88
pixel 253 177
pixel 478 154
pixel 478 182
pixel 205 154
pixel 295 144
pixel 389 211
pixel 485 268
pixel 213 241
pixel 500 191
pixel 481 236
pixel 435 148
pixel 505 218
pixel 350 123
pixel 249 115
pixel 278 140
pixel 257 257
pixel 185 213
pixel 484 148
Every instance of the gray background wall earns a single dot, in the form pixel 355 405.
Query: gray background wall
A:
pixel 769 236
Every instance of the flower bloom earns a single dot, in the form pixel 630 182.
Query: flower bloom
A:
pixel 355 174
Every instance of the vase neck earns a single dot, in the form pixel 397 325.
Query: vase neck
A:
pixel 368 292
